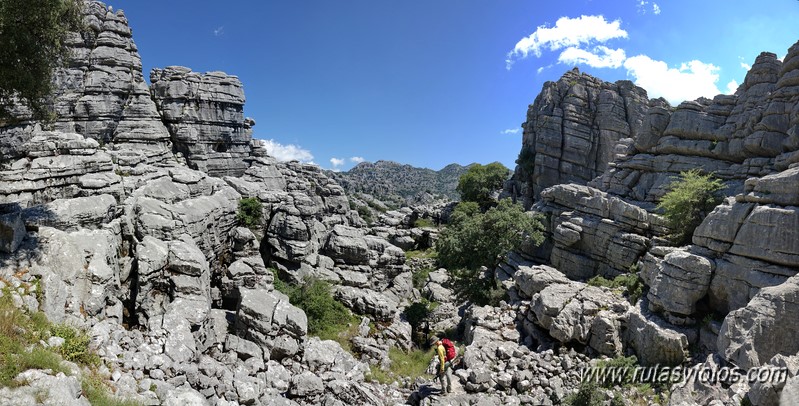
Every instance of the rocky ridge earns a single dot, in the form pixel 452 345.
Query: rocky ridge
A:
pixel 400 184
pixel 124 217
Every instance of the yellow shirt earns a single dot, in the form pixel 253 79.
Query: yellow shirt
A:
pixel 441 356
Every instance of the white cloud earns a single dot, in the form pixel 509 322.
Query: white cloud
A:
pixel 691 80
pixel 219 31
pixel 289 152
pixel 732 86
pixel 336 162
pixel 602 57
pixel 567 32
pixel 655 8
pixel 356 159
pixel 746 66
pixel 510 131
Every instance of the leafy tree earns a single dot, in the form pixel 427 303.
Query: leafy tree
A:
pixel 33 42
pixel 250 211
pixel 477 184
pixel 688 201
pixel 474 240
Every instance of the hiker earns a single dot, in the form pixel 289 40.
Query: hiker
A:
pixel 446 352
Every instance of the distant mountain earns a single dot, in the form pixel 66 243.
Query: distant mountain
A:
pixel 392 182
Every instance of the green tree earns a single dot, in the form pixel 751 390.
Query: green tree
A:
pixel 689 200
pixel 250 211
pixel 479 182
pixel 474 240
pixel 33 42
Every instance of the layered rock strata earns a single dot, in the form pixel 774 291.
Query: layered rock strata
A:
pixel 205 117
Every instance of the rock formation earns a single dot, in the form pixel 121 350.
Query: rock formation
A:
pixel 121 218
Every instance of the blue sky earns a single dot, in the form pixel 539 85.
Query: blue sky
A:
pixel 429 83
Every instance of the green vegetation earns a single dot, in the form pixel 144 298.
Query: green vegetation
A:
pixel 366 214
pixel 687 203
pixel 422 222
pixel 20 334
pixel 97 392
pixel 587 395
pixel 479 182
pixel 250 212
pixel 327 317
pixel 32 44
pixel 474 239
pixel 427 253
pixel 631 284
pixel 76 345
pixel 411 365
pixel 626 364
pixel 416 313
pixel 419 277
pixel 526 160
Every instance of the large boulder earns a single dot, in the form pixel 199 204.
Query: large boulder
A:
pixel 654 340
pixel 752 335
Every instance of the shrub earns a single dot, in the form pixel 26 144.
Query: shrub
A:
pixel 76 345
pixel 587 395
pixel 626 364
pixel 366 214
pixel 416 313
pixel 419 277
pixel 689 200
pixel 479 182
pixel 327 317
pixel 630 283
pixel 474 240
pixel 250 212
pixel 526 160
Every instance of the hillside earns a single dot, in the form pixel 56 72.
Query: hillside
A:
pixel 392 182
pixel 152 250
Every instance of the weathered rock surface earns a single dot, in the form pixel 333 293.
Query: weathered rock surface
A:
pixel 204 115
pixel 572 129
pixel 752 335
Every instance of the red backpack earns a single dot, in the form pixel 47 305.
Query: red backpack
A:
pixel 452 352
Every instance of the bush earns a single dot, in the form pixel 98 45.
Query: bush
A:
pixel 76 345
pixel 479 182
pixel 526 161
pixel 687 203
pixel 630 283
pixel 474 240
pixel 419 277
pixel 416 313
pixel 327 317
pixel 366 214
pixel 626 364
pixel 587 395
pixel 250 212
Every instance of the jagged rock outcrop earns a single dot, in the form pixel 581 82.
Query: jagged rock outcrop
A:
pixel 572 129
pixel 205 117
